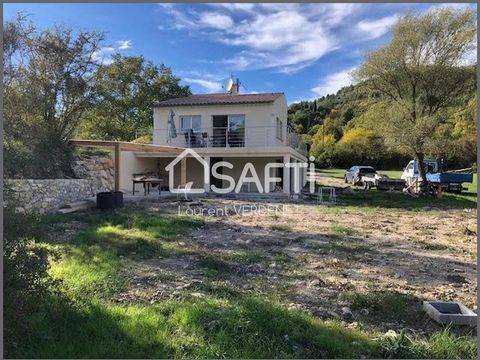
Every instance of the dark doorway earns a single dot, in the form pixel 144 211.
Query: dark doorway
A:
pixel 279 173
pixel 220 128
pixel 214 180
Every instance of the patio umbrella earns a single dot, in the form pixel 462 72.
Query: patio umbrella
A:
pixel 172 131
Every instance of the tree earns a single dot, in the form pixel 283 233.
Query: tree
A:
pixel 359 146
pixel 126 90
pixel 421 73
pixel 48 88
pixel 323 148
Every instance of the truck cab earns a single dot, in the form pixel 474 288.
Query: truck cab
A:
pixel 412 170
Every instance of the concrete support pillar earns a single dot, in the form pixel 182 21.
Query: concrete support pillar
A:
pixel 304 176
pixel 183 171
pixel 206 185
pixel 117 166
pixel 286 174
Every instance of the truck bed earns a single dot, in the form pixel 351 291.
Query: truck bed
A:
pixel 450 178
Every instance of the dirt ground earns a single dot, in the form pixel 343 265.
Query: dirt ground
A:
pixel 378 264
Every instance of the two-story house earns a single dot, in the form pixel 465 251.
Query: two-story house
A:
pixel 238 128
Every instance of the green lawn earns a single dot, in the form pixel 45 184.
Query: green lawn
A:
pixel 375 199
pixel 83 320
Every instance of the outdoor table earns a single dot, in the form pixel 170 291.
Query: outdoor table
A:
pixel 146 185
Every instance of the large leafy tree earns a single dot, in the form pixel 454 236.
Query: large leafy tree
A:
pixel 421 71
pixel 359 146
pixel 47 88
pixel 126 90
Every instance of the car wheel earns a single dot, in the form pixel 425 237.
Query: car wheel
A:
pixel 354 180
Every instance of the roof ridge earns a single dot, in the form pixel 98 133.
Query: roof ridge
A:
pixel 221 99
pixel 258 93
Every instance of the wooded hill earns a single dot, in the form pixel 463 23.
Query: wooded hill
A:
pixel 345 128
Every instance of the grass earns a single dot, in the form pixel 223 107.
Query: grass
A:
pixel 385 304
pixel 90 265
pixel 442 345
pixel 431 246
pixel 376 200
pixel 88 152
pixel 382 199
pixel 215 268
pixel 248 257
pixel 247 327
pixel 83 320
pixel 343 230
pixel 281 227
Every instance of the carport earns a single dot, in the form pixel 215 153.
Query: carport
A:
pixel 128 151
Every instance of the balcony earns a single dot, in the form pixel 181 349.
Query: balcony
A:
pixel 224 137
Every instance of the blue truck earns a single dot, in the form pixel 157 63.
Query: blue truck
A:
pixel 438 180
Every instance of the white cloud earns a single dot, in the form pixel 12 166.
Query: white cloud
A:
pixel 102 56
pixel 215 20
pixel 333 14
pixel 376 28
pixel 330 84
pixel 124 44
pixel 287 40
pixel 455 6
pixel 210 86
pixel 287 37
pixel 235 6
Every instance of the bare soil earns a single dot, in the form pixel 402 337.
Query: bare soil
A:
pixel 319 259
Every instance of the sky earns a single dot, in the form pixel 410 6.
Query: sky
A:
pixel 304 50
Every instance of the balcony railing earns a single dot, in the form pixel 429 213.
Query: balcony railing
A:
pixel 223 137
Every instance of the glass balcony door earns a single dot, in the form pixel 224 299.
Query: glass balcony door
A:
pixel 236 130
pixel 228 131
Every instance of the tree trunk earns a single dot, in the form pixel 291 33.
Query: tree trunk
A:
pixel 421 168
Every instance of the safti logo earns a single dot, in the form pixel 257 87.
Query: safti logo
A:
pixel 248 175
pixel 188 186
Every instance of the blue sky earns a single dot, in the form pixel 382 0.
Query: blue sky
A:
pixel 304 50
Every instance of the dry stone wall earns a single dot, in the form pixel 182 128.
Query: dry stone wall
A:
pixel 42 196
pixel 99 169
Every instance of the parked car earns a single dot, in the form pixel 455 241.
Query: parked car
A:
pixel 354 174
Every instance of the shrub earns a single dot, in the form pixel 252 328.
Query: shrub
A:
pixel 25 275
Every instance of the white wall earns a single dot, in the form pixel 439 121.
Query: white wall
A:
pixel 130 164
pixel 260 121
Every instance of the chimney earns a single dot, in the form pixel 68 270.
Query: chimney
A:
pixel 235 88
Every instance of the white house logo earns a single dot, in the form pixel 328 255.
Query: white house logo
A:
pixel 188 186
pixel 249 175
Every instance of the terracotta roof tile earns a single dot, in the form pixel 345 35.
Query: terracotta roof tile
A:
pixel 221 99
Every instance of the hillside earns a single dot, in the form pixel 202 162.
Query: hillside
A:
pixel 346 128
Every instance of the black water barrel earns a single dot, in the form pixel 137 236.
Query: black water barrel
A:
pixel 106 200
pixel 118 196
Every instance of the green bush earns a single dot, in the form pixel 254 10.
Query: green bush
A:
pixel 25 274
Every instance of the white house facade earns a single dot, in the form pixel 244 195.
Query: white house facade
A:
pixel 231 127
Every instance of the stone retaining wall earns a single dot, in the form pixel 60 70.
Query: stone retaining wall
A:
pixel 99 169
pixel 41 196
pixel 46 196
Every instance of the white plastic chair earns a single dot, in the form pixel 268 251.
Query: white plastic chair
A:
pixel 184 189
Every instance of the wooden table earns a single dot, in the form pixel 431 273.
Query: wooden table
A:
pixel 146 185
